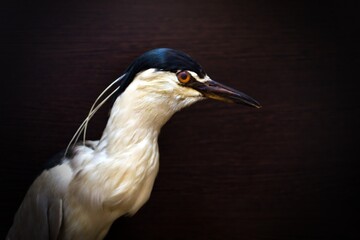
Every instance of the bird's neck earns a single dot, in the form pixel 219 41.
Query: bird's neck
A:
pixel 136 117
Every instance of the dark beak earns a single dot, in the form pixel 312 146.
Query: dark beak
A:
pixel 218 91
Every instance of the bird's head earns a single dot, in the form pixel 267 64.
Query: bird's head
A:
pixel 176 78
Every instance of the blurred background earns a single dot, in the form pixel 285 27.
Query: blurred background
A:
pixel 286 171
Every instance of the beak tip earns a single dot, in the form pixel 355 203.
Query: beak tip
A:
pixel 258 105
pixel 251 102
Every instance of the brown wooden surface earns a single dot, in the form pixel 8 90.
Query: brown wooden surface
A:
pixel 286 171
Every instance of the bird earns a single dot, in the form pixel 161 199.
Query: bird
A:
pixel 91 183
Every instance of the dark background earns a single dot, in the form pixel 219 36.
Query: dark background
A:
pixel 286 171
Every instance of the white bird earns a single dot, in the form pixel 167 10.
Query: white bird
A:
pixel 91 184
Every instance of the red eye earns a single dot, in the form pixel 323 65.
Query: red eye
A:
pixel 184 76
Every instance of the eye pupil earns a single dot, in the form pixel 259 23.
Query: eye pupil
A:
pixel 184 76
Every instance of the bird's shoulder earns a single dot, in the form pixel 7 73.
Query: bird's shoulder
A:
pixel 67 155
pixel 55 160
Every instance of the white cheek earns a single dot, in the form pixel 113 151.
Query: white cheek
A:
pixel 185 102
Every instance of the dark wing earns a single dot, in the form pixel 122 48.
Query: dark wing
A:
pixel 37 218
pixel 40 215
pixel 55 217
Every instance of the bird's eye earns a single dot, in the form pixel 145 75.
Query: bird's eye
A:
pixel 183 76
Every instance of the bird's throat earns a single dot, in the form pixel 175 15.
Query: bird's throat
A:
pixel 136 118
